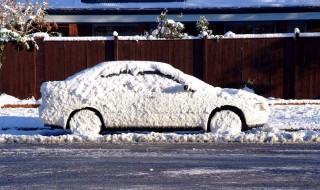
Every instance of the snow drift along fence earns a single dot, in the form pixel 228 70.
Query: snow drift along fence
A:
pixel 283 67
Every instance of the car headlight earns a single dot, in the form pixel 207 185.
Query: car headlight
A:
pixel 261 107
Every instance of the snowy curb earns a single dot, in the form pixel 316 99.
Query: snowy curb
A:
pixel 256 136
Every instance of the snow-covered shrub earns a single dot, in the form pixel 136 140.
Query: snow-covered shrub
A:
pixel 203 27
pixel 168 28
pixel 24 16
pixel 20 18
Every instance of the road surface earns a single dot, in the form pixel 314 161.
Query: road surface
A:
pixel 160 166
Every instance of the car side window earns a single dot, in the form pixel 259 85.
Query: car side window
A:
pixel 117 82
pixel 147 81
pixel 158 82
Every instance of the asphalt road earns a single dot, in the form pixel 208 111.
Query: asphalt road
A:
pixel 160 166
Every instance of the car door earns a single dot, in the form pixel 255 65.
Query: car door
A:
pixel 166 103
pixel 119 100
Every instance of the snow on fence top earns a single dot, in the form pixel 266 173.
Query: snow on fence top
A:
pixel 228 35
pixel 93 38
pixel 313 34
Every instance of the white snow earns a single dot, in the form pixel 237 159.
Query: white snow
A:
pixel 228 35
pixel 7 99
pixel 89 38
pixel 278 101
pixel 197 4
pixel 310 34
pixel 206 171
pixel 232 35
pixel 40 35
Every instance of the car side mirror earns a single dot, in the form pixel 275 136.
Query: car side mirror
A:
pixel 187 88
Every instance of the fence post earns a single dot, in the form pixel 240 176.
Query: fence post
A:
pixel 116 49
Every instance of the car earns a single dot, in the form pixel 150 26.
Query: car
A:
pixel 144 94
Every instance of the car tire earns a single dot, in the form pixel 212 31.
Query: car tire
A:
pixel 85 122
pixel 225 122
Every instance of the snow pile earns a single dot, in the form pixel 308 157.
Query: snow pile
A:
pixel 278 101
pixel 263 135
pixel 7 99
pixel 298 117
pixel 12 119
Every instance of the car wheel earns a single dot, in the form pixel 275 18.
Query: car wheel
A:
pixel 85 122
pixel 225 122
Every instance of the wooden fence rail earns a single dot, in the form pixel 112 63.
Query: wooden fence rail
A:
pixel 274 67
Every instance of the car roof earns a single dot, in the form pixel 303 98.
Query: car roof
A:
pixel 112 68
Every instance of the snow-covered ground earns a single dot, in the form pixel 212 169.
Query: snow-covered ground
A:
pixel 294 121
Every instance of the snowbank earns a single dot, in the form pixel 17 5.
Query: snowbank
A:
pixel 265 135
pixel 277 101
pixel 7 99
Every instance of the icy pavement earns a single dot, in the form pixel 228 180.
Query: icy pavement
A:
pixel 287 124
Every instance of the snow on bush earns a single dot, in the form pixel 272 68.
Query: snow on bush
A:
pixel 203 27
pixel 25 17
pixel 19 19
pixel 168 28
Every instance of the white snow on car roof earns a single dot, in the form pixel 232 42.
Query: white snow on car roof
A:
pixel 135 67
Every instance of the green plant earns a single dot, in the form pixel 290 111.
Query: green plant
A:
pixel 168 28
pixel 202 26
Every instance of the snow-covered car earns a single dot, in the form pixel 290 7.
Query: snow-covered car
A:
pixel 140 94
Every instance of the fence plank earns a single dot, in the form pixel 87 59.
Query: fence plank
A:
pixel 198 58
pixel 39 71
pixel 109 53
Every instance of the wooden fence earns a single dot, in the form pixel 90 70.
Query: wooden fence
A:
pixel 274 67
